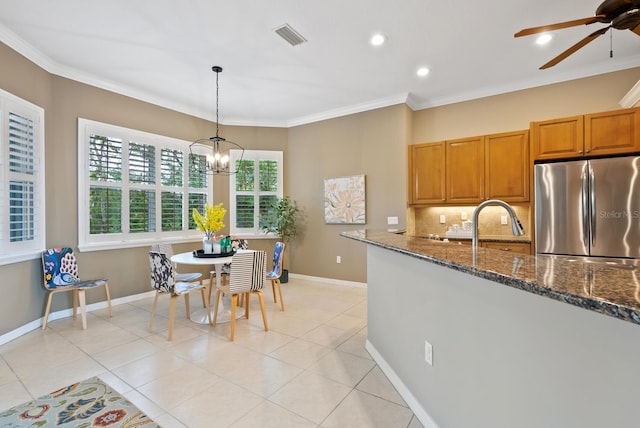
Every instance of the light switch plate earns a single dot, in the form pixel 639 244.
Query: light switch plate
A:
pixel 503 219
pixel 392 220
pixel 463 215
pixel 443 219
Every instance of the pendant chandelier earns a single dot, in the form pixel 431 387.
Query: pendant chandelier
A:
pixel 216 161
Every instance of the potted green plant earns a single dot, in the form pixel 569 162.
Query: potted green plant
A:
pixel 281 220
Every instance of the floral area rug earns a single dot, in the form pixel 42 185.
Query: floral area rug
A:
pixel 90 403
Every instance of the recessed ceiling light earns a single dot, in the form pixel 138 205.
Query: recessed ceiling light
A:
pixel 422 71
pixel 543 39
pixel 378 39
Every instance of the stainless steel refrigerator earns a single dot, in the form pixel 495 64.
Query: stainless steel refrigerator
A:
pixel 588 207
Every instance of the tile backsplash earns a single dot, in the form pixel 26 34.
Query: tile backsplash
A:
pixel 426 220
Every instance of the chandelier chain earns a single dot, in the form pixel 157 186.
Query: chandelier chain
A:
pixel 217 103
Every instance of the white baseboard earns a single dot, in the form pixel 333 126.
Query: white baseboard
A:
pixel 402 389
pixel 65 313
pixel 328 280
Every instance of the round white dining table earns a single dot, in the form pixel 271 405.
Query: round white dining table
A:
pixel 200 316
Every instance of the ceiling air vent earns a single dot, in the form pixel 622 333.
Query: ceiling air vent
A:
pixel 290 35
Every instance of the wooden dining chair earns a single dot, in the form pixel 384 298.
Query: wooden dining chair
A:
pixel 167 249
pixel 248 271
pixel 276 272
pixel 163 280
pixel 60 270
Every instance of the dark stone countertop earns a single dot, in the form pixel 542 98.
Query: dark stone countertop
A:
pixel 600 286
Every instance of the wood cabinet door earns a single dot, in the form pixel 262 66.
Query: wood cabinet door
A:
pixel 558 138
pixel 515 247
pixel 507 166
pixel 427 173
pixel 465 170
pixel 612 132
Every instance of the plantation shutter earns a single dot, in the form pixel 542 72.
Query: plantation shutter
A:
pixel 23 203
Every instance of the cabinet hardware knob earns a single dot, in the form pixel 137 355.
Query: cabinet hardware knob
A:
pixel 505 249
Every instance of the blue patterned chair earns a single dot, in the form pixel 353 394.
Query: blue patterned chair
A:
pixel 60 270
pixel 274 275
pixel 163 280
pixel 248 271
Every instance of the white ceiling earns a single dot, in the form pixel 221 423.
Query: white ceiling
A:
pixel 161 51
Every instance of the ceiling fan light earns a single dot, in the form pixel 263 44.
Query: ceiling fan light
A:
pixel 543 39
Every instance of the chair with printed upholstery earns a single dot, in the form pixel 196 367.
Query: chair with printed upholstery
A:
pixel 247 275
pixel 163 280
pixel 276 272
pixel 183 277
pixel 60 270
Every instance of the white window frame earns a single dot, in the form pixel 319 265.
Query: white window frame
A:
pixel 126 239
pixel 13 252
pixel 257 156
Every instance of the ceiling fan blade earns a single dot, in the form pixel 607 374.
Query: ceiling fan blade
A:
pixel 574 23
pixel 591 37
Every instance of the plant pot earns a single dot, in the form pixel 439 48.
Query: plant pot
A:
pixel 284 278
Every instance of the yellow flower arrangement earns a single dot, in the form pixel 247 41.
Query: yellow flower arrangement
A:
pixel 211 222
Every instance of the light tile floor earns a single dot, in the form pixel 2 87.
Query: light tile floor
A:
pixel 310 370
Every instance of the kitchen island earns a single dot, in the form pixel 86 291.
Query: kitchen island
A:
pixel 517 340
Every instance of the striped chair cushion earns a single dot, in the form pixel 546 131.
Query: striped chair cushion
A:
pixel 248 271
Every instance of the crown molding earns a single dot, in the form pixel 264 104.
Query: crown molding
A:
pixel 632 98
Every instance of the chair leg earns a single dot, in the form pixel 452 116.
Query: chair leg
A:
pixel 172 314
pixel 46 311
pixel 74 300
pixel 215 308
pixel 202 291
pixel 245 296
pixel 279 286
pixel 264 311
pixel 83 308
pixel 187 306
pixel 207 303
pixel 106 290
pixel 234 304
pixel 273 288
pixel 153 311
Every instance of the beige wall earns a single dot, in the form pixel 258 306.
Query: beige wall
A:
pixel 371 143
pixel 515 110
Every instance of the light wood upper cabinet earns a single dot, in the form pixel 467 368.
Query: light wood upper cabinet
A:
pixel 612 132
pixel 426 173
pixel 558 138
pixel 608 133
pixel 465 170
pixel 468 171
pixel 507 166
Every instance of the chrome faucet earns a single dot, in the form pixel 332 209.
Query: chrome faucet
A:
pixel 516 226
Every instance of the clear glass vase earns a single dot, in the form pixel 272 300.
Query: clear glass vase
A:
pixel 207 245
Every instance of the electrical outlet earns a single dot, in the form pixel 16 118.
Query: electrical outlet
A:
pixel 443 219
pixel 392 220
pixel 428 353
pixel 463 215
pixel 338 259
pixel 503 219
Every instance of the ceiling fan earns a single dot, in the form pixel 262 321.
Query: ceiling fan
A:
pixel 619 14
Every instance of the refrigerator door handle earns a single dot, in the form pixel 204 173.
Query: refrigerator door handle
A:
pixel 585 207
pixel 592 195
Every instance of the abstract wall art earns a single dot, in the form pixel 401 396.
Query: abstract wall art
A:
pixel 344 200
